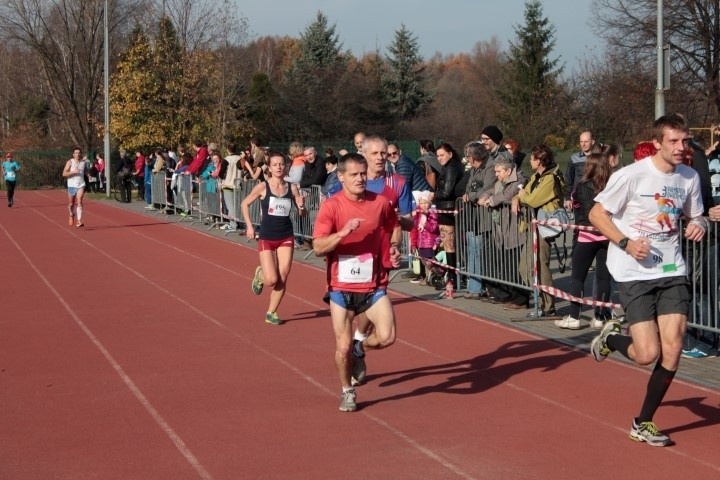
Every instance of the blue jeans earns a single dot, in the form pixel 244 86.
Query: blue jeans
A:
pixel 148 193
pixel 474 247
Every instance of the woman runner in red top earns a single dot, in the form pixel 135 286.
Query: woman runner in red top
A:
pixel 275 241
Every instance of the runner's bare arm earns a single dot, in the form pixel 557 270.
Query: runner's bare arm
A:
pixel 299 199
pixel 638 248
pixel 66 170
pixel 324 245
pixel 255 193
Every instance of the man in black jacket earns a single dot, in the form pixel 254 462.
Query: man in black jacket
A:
pixel 314 172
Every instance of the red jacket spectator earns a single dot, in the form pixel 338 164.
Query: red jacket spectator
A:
pixel 139 164
pixel 196 164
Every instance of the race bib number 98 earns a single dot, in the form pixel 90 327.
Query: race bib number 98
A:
pixel 279 207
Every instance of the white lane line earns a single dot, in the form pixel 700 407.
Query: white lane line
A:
pixel 409 440
pixel 139 395
pixel 429 453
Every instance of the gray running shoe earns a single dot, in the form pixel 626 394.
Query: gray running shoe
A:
pixel 257 285
pixel 598 346
pixel 347 401
pixel 649 433
pixel 358 370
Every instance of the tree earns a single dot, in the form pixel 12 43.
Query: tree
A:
pixel 404 84
pixel 261 99
pixel 691 30
pixel 135 88
pixel 67 39
pixel 613 99
pixel 532 94
pixel 309 95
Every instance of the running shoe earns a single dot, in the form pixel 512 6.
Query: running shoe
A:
pixel 649 433
pixel 598 346
pixel 694 353
pixel 71 220
pixel 597 323
pixel 257 285
pixel 358 370
pixel 79 224
pixel 273 319
pixel 568 322
pixel 347 401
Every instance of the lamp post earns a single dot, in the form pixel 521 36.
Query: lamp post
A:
pixel 660 89
pixel 106 90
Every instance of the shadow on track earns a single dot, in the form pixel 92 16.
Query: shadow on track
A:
pixel 480 373
pixel 709 415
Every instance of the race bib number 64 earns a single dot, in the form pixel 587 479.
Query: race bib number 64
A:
pixel 355 269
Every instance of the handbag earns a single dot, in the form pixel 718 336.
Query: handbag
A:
pixel 416 264
pixel 557 222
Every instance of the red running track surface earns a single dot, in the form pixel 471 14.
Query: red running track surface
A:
pixel 133 348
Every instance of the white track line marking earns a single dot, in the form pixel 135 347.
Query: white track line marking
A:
pixel 377 420
pixel 139 395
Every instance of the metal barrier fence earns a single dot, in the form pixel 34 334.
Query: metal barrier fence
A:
pixel 158 190
pixel 702 262
pixel 172 195
pixel 489 242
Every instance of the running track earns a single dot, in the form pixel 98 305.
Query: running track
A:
pixel 133 349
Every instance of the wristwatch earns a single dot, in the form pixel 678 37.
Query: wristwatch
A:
pixel 623 243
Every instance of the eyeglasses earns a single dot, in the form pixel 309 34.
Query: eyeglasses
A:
pixel 393 154
pixel 484 139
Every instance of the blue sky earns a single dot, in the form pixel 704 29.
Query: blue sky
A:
pixel 450 26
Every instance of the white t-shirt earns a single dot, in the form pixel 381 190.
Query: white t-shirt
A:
pixel 645 202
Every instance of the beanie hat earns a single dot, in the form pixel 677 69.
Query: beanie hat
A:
pixel 493 132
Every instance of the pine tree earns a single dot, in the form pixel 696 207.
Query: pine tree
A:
pixel 168 65
pixel 309 94
pixel 404 84
pixel 261 99
pixel 532 89
pixel 319 46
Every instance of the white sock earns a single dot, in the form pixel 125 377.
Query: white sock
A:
pixel 359 336
pixel 79 213
pixel 347 389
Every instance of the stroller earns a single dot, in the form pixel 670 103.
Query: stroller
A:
pixel 436 273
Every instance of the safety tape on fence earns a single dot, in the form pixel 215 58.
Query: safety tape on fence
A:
pixel 566 225
pixel 566 296
pixel 443 265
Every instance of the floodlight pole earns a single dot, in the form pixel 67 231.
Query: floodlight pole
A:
pixel 106 91
pixel 660 90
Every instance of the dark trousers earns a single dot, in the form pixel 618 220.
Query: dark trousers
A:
pixel 10 184
pixel 583 255
pixel 508 271
pixel 425 253
pixel 125 190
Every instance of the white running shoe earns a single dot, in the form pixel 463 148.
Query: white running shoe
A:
pixel 568 322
